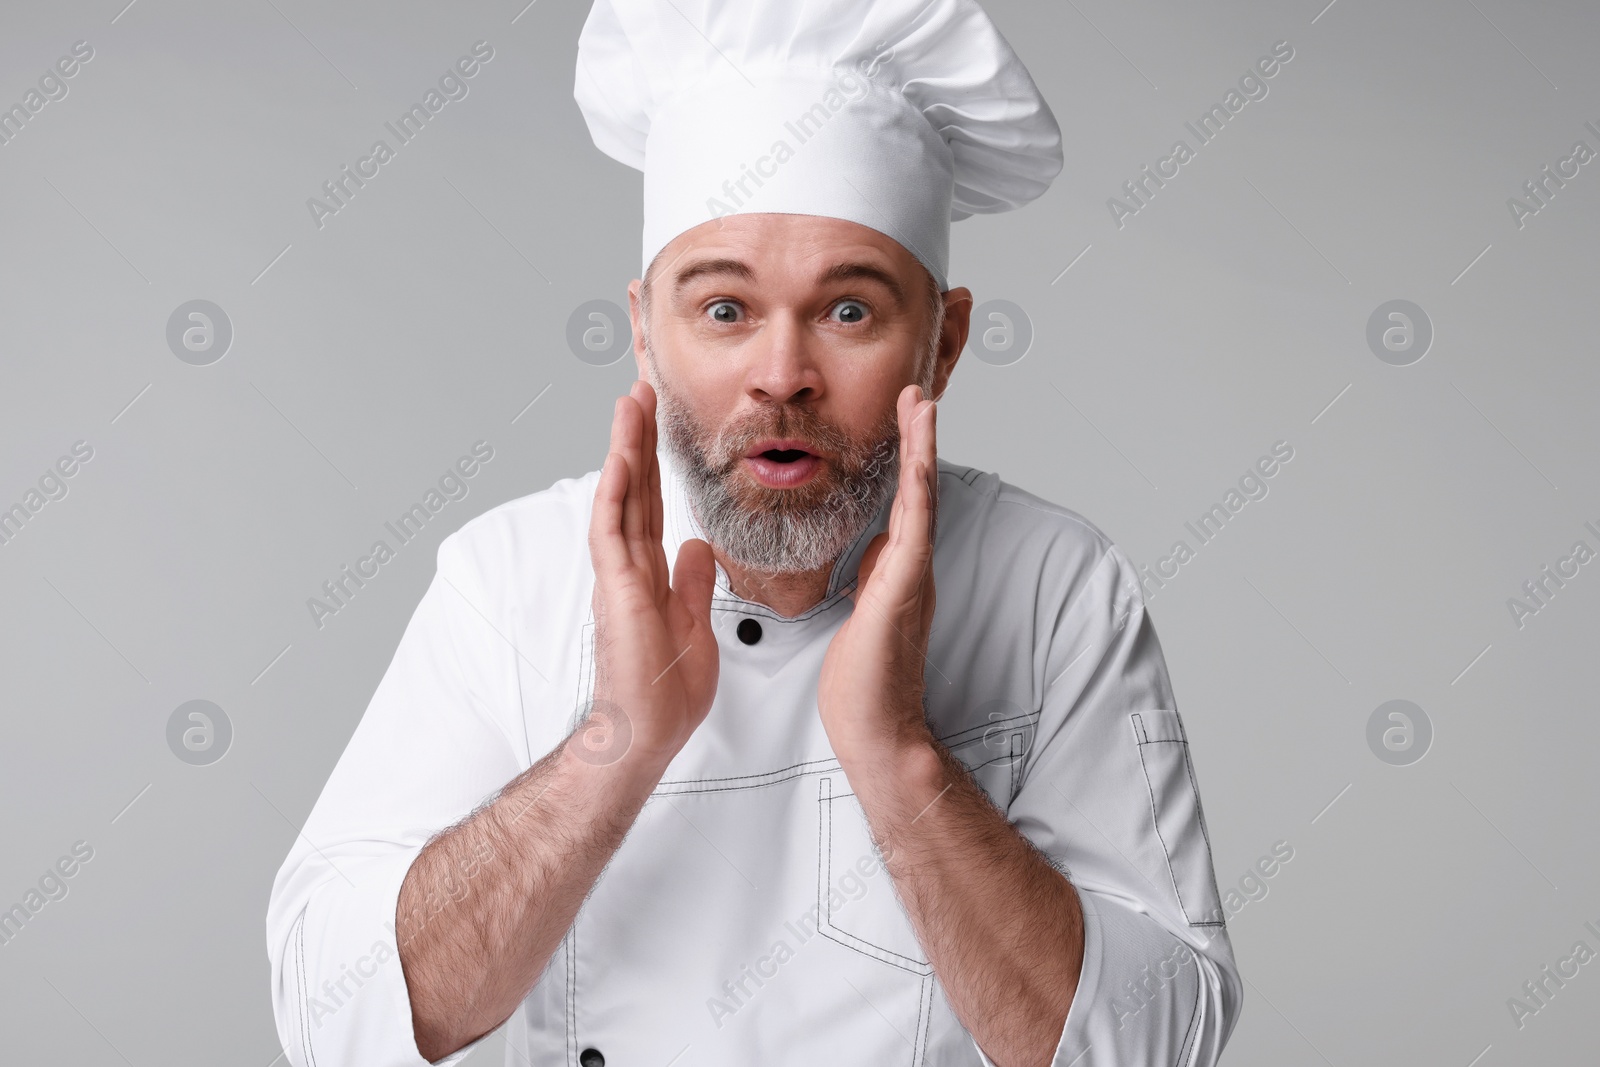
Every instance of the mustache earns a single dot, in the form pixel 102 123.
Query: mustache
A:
pixel 717 452
pixel 732 442
pixel 720 450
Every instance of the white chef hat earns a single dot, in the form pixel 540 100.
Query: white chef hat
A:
pixel 900 115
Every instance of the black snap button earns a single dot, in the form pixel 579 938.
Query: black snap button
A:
pixel 749 631
pixel 590 1057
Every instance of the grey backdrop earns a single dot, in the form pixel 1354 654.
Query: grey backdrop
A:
pixel 1227 313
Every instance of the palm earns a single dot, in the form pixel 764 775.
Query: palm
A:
pixel 870 687
pixel 655 654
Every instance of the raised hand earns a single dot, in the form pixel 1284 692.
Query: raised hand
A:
pixel 870 690
pixel 655 655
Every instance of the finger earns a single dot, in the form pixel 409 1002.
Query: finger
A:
pixel 615 518
pixel 906 547
pixel 922 424
pixel 606 546
pixel 633 512
pixel 930 459
pixel 655 526
pixel 909 548
pixel 926 422
pixel 694 578
pixel 910 459
pixel 904 422
pixel 928 592
pixel 929 596
pixel 920 450
pixel 658 552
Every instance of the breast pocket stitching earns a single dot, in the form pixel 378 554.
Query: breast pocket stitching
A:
pixel 1174 800
pixel 825 801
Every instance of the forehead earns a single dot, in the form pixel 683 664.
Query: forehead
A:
pixel 780 248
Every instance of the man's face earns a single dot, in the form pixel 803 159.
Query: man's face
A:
pixel 777 345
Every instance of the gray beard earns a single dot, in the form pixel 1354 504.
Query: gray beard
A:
pixel 779 531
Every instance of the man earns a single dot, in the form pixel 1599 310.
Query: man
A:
pixel 885 766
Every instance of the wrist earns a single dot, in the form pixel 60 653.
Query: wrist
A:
pixel 609 735
pixel 633 759
pixel 906 756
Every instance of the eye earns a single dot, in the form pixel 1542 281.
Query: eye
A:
pixel 724 311
pixel 850 311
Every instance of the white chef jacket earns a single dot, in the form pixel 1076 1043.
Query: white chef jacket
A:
pixel 747 919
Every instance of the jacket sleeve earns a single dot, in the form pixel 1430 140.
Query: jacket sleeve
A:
pixel 432 745
pixel 1109 794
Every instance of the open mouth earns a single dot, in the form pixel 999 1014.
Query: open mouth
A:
pixel 782 464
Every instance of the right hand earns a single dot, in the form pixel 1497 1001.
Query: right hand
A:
pixel 655 654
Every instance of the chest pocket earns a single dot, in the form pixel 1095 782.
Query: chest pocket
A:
pixel 743 921
pixel 856 901
pixel 995 750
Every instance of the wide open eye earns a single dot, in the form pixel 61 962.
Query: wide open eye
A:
pixel 849 311
pixel 724 311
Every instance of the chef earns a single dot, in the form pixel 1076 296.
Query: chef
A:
pixel 778 739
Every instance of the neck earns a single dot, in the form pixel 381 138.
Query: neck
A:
pixel 788 594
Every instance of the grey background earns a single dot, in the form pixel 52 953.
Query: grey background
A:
pixel 1228 314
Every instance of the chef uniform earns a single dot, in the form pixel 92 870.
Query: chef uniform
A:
pixel 748 918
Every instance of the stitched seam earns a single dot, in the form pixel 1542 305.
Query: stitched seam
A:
pixel 305 1026
pixel 1194 1017
pixel 854 943
pixel 919 1047
pixel 981 730
pixel 1199 815
pixel 824 765
pixel 819 765
pixel 824 794
pixel 750 607
pixel 1155 821
pixel 299 978
pixel 1016 758
pixel 572 995
pixel 1170 871
pixel 826 909
pixel 1185 756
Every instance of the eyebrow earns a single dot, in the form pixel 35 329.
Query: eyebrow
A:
pixel 710 267
pixel 842 272
pixel 839 272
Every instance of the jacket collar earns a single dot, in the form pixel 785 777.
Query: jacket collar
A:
pixel 679 525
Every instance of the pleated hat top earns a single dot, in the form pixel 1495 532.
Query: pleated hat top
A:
pixel 899 115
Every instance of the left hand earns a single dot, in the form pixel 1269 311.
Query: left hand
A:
pixel 870 690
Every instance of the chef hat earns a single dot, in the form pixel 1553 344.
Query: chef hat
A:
pixel 900 115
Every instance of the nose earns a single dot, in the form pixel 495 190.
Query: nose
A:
pixel 783 366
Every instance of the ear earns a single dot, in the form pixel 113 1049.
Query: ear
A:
pixel 953 337
pixel 638 334
pixel 634 322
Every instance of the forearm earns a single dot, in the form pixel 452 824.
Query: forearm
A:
pixel 485 903
pixel 1002 927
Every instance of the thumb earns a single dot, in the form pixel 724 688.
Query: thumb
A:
pixel 694 578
